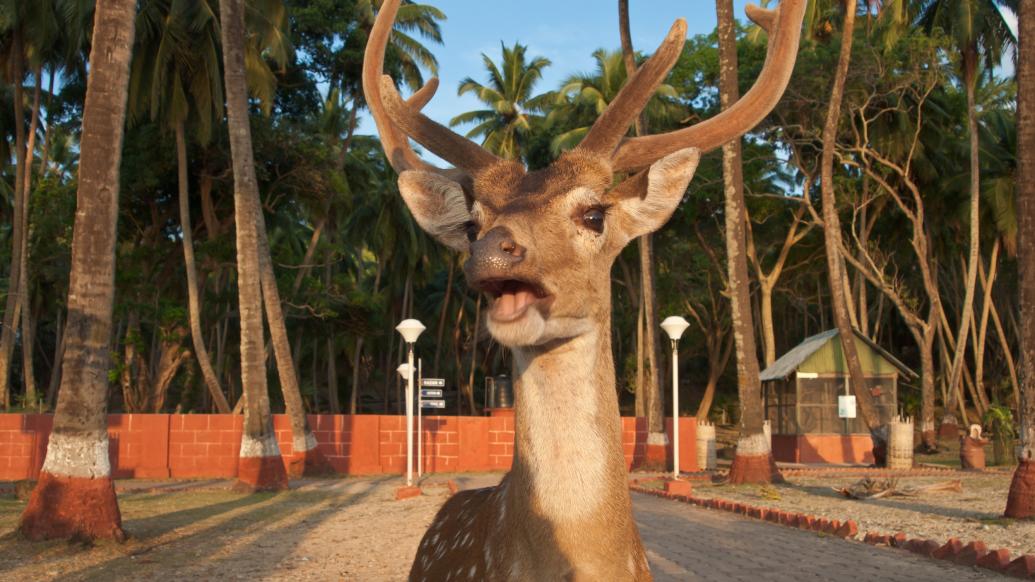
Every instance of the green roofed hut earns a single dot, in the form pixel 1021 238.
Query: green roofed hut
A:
pixel 801 390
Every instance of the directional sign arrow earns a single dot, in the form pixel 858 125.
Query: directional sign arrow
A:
pixel 431 393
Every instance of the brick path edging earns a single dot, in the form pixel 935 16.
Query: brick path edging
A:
pixel 975 553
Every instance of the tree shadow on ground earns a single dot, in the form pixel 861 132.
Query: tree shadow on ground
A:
pixel 194 554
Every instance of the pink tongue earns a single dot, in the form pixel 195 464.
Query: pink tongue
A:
pixel 510 304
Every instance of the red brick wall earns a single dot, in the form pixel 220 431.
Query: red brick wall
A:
pixel 823 448
pixel 154 446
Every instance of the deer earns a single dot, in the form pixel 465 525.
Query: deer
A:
pixel 541 245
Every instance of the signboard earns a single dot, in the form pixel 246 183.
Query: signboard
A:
pixel 432 403
pixel 433 382
pixel 431 393
pixel 846 406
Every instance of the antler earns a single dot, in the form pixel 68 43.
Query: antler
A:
pixel 396 119
pixel 612 124
pixel 784 27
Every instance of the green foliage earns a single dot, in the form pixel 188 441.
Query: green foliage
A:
pixel 350 260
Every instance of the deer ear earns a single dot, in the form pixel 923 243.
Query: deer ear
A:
pixel 439 206
pixel 646 205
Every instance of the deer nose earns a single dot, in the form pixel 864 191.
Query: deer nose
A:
pixel 497 250
pixel 507 245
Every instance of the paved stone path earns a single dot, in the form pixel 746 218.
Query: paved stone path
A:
pixel 685 542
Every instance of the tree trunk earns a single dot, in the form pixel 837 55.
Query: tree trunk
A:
pixel 59 355
pixel 75 497
pixel 28 321
pixel 474 354
pixel 970 65
pixel 840 305
pixel 306 458
pixel 1021 500
pixel 12 311
pixel 45 154
pixel 652 400
pixel 260 466
pixel 357 360
pixel 981 332
pixel 928 434
pixel 768 333
pixel 753 462
pixel 193 291
pixel 717 362
pixel 332 378
pixel 442 315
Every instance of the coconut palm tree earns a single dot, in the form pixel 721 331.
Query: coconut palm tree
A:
pixel 260 466
pixel 511 105
pixel 1021 501
pixel 980 34
pixel 75 496
pixel 753 462
pixel 583 97
pixel 176 77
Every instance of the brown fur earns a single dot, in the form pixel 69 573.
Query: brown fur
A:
pixel 563 512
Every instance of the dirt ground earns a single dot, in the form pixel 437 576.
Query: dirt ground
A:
pixel 974 514
pixel 341 529
pixel 354 529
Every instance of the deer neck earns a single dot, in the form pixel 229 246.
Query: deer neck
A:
pixel 569 468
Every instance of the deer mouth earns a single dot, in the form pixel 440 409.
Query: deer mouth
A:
pixel 513 297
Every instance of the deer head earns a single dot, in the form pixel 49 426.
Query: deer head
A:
pixel 542 243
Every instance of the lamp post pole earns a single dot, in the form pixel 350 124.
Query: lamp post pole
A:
pixel 409 416
pixel 675 410
pixel 410 330
pixel 420 417
pixel 674 326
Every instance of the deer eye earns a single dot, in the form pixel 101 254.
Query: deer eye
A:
pixel 593 219
pixel 471 228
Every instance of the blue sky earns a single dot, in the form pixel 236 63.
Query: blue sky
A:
pixel 564 31
pixel 568 36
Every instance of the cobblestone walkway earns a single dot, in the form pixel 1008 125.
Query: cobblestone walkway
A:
pixel 689 543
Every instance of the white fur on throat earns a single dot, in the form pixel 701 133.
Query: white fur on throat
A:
pixel 558 409
pixel 78 455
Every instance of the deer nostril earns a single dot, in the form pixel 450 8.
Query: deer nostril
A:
pixel 512 248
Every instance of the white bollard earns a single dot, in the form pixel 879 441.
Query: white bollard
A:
pixel 706 457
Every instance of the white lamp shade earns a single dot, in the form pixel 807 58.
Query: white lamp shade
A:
pixel 674 326
pixel 404 370
pixel 410 329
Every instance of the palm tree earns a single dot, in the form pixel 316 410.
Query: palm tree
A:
pixel 176 77
pixel 75 496
pixel 583 97
pixel 753 462
pixel 978 30
pixel 260 466
pixel 840 304
pixel 405 55
pixel 1021 501
pixel 512 108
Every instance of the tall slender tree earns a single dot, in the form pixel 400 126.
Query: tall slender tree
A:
pixel 260 466
pixel 1021 501
pixel 75 496
pixel 979 31
pixel 176 76
pixel 648 388
pixel 839 303
pixel 753 462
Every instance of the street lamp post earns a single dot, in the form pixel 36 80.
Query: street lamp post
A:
pixel 410 330
pixel 674 326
